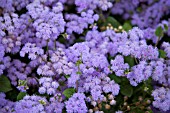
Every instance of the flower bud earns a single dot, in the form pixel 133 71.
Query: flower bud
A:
pixel 110 97
pixel 96 108
pixel 112 102
pixel 120 27
pixel 128 108
pixel 140 98
pixel 107 106
pixel 125 103
pixel 104 99
pixel 100 106
pixel 137 103
pixel 148 108
pixel 93 103
pixel 90 111
pixel 148 101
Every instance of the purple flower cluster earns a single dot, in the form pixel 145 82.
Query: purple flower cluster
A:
pixel 77 23
pixel 76 104
pixel 86 60
pixel 31 104
pixel 11 6
pixel 93 4
pixel 6 106
pixel 138 47
pixel 55 105
pixel 97 86
pixel 161 98
pixel 166 47
pixel 118 65
pixel 47 22
pixel 144 13
pixel 47 85
pixel 139 73
pixel 17 71
pixel 58 64
pixel 32 51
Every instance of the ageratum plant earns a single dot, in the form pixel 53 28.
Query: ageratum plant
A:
pixel 84 56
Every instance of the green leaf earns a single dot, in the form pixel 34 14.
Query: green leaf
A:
pixel 21 95
pixel 117 0
pixel 139 9
pixel 22 82
pixel 12 95
pixel 69 92
pixel 119 99
pixel 42 102
pixel 115 78
pixel 159 32
pixel 78 72
pixel 67 76
pixel 127 26
pixel 150 111
pixel 166 27
pixel 162 54
pixel 126 89
pixel 148 85
pixel 129 60
pixel 5 85
pixel 124 80
pixel 78 62
pixel 113 22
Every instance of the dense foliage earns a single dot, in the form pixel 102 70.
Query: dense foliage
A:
pixel 79 56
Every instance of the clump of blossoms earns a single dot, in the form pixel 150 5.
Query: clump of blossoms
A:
pixel 84 56
pixel 30 104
